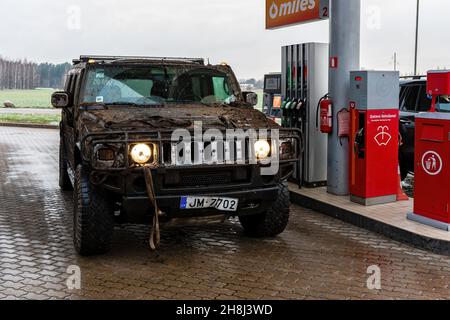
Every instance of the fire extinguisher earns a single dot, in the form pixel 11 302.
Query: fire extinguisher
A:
pixel 325 109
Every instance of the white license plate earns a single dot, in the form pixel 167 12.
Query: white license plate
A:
pixel 219 203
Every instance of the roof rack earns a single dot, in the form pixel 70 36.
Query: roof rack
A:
pixel 86 58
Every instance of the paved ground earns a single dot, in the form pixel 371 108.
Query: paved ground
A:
pixel 30 111
pixel 316 258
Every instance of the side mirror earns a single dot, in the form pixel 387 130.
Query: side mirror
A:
pixel 251 98
pixel 60 99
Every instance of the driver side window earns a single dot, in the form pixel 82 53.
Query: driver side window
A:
pixel 409 99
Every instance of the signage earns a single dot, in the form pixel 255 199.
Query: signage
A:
pixel 432 163
pixel 334 62
pixel 281 13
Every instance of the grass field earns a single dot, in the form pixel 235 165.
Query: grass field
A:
pixel 260 99
pixel 38 98
pixel 30 118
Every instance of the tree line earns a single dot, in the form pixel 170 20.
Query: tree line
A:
pixel 23 75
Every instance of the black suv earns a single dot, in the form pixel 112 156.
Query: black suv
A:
pixel 121 156
pixel 413 99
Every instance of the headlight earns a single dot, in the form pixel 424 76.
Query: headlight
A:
pixel 287 150
pixel 262 149
pixel 141 153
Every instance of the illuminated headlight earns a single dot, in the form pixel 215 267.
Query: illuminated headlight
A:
pixel 141 153
pixel 262 149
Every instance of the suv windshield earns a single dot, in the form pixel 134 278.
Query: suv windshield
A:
pixel 155 85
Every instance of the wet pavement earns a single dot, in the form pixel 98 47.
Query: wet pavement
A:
pixel 316 258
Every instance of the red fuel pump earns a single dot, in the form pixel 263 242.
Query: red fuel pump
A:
pixel 432 170
pixel 374 128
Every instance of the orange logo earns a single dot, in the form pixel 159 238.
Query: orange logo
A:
pixel 287 12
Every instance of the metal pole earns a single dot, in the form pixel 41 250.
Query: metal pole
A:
pixel 417 37
pixel 345 22
pixel 395 61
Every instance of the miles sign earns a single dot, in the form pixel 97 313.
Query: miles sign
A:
pixel 281 13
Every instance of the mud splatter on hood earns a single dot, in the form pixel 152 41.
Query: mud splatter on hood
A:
pixel 170 117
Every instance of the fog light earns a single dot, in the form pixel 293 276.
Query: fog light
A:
pixel 262 149
pixel 141 153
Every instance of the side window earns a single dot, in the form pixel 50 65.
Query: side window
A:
pixel 68 82
pixel 409 102
pixel 424 103
pixel 402 93
pixel 221 89
pixel 76 89
pixel 73 85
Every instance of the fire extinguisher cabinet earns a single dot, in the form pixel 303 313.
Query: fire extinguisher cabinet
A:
pixel 374 124
pixel 432 155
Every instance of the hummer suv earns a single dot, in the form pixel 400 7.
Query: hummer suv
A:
pixel 122 116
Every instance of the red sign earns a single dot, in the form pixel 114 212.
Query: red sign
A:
pixel 280 13
pixel 334 62
pixel 277 102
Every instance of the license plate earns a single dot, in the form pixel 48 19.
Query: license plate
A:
pixel 219 203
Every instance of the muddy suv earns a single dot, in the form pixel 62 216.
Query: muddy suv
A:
pixel 170 140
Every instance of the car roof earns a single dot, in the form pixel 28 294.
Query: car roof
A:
pixel 90 60
pixel 413 81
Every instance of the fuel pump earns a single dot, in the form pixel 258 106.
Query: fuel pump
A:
pixel 304 82
pixel 374 136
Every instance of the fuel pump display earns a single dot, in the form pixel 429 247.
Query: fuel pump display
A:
pixel 272 96
pixel 374 137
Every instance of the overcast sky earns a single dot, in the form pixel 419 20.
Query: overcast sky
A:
pixel 223 30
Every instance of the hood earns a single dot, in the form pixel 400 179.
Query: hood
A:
pixel 172 117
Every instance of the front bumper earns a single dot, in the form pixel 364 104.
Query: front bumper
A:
pixel 138 209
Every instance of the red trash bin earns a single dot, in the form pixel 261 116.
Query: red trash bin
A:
pixel 432 156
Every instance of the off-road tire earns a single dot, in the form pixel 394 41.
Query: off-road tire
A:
pixel 274 221
pixel 64 181
pixel 93 223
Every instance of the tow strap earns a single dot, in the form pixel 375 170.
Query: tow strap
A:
pixel 155 232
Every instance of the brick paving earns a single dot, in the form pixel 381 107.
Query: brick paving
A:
pixel 316 258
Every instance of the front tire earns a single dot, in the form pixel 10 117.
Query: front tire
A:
pixel 274 221
pixel 93 216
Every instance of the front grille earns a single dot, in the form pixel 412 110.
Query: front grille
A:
pixel 196 154
pixel 208 179
pixel 182 178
